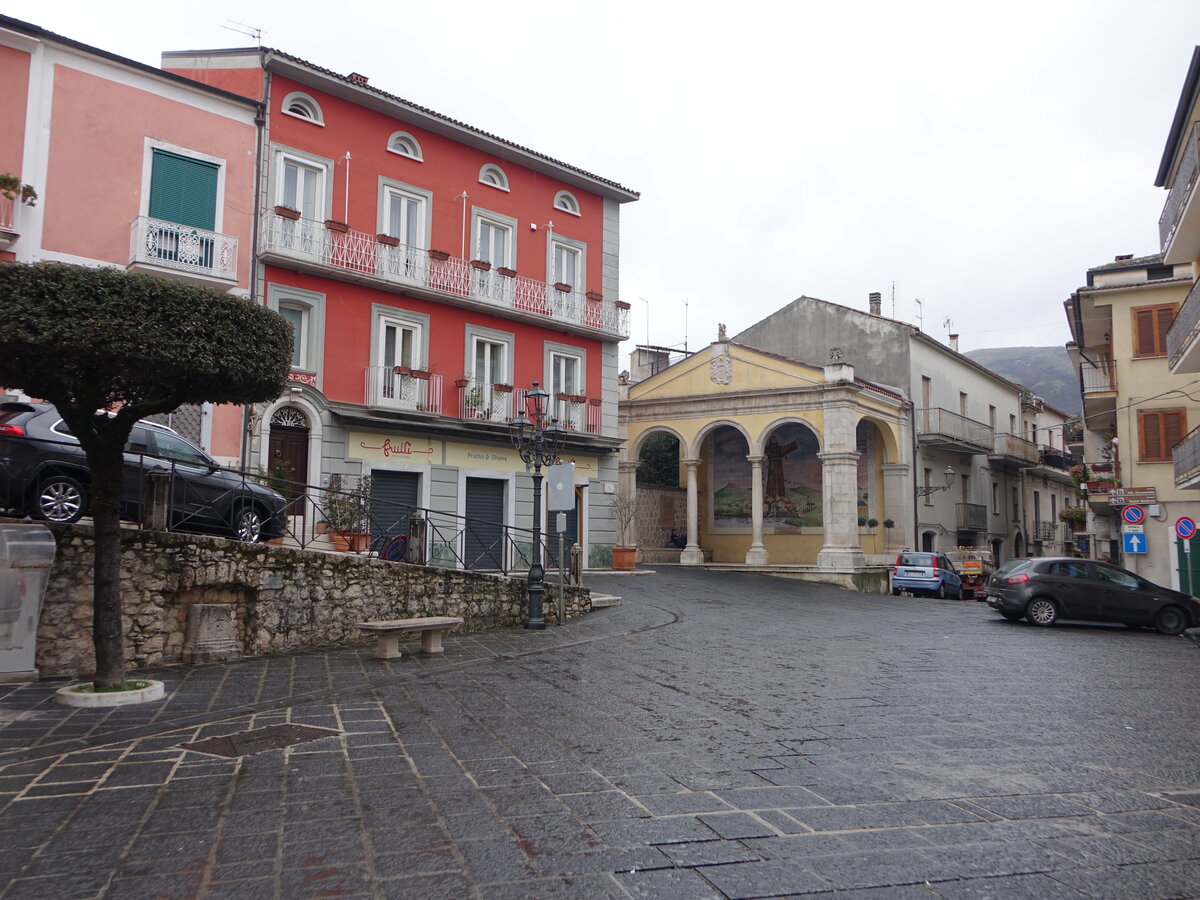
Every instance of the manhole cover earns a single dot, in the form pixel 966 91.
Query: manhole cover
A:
pixel 247 743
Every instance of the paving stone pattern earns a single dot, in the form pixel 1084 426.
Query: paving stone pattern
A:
pixel 717 735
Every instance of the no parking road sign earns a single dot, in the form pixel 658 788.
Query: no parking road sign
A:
pixel 1133 515
pixel 1185 528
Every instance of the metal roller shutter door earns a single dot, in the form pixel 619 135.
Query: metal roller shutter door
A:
pixel 394 496
pixel 484 541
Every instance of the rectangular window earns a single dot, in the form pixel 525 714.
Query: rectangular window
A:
pixel 1150 324
pixel 297 317
pixel 404 217
pixel 926 390
pixel 490 362
pixel 302 189
pixel 493 242
pixel 399 344
pixel 566 265
pixel 399 350
pixel 305 312
pixel 928 494
pixel 995 498
pixel 1158 432
pixel 183 190
pixel 992 417
pixel 566 381
pixel 962 404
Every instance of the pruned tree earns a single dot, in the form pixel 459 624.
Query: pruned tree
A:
pixel 108 348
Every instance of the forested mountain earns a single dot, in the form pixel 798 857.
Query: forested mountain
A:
pixel 1044 370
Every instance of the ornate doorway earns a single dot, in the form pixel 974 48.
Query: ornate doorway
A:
pixel 287 455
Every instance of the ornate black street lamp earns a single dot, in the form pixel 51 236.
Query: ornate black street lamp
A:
pixel 539 444
pixel 926 490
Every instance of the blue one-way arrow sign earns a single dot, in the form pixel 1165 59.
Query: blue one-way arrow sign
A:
pixel 1134 543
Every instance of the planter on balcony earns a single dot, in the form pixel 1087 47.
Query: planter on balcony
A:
pixel 594 401
pixel 563 288
pixel 439 255
pixel 621 304
pixel 1101 467
pixel 421 373
pixel 402 370
pixel 594 296
pixel 286 212
pixel 562 396
pixel 481 265
pixel 461 382
pixel 502 388
pixel 334 225
pixel 577 398
pixel 506 272
pixel 388 239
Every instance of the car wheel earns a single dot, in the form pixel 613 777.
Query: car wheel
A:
pixel 895 592
pixel 1170 620
pixel 1011 616
pixel 1042 611
pixel 248 524
pixel 61 499
pixel 940 593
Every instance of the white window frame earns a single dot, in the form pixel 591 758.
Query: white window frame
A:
pixel 424 200
pixel 480 217
pixel 561 410
pixel 382 315
pixel 578 248
pixel 150 145
pixel 284 155
pixel 564 201
pixel 312 305
pixel 412 147
pixel 477 334
pixel 317 117
pixel 494 177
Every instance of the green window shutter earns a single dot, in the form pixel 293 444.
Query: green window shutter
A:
pixel 183 190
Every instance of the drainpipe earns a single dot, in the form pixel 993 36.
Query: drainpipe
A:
pixel 256 292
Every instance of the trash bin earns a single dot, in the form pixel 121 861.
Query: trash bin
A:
pixel 26 554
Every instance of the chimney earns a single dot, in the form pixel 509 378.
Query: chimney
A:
pixel 1121 257
pixel 875 301
pixel 954 342
pixel 360 80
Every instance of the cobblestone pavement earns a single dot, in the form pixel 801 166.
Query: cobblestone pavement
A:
pixel 716 735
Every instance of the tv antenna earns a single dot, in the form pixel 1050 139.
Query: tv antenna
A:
pixel 948 324
pixel 685 323
pixel 242 28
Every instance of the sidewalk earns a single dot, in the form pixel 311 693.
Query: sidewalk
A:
pixel 716 735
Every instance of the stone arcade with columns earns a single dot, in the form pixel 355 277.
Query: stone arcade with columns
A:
pixel 785 463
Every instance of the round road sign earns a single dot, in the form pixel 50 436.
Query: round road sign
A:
pixel 1133 515
pixel 1185 527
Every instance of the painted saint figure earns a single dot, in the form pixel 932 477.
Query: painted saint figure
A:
pixel 775 452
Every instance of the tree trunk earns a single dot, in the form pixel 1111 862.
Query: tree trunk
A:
pixel 107 621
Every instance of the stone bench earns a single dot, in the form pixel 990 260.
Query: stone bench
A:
pixel 388 631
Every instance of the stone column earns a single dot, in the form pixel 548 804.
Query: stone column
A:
pixel 839 484
pixel 627 488
pixel 897 504
pixel 692 555
pixel 757 554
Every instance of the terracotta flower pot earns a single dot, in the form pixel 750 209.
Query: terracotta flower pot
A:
pixel 286 212
pixel 388 240
pixel 439 254
pixel 334 225
pixel 624 558
pixel 350 541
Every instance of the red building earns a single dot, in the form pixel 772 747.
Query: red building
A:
pixel 431 271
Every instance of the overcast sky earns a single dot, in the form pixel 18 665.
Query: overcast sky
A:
pixel 979 157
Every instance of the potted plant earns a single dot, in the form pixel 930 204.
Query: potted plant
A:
pixel 286 212
pixel 13 188
pixel 624 555
pixel 348 513
pixel 1075 516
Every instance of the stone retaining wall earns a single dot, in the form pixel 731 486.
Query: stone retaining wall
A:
pixel 286 599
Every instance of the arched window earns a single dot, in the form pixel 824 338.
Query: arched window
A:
pixel 405 144
pixel 302 106
pixel 494 176
pixel 566 201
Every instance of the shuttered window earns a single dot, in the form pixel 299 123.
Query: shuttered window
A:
pixel 183 190
pixel 1158 432
pixel 1150 324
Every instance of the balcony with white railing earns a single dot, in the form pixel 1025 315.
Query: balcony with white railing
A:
pixel 1183 337
pixel 180 251
pixel 482 401
pixel 402 389
pixel 1098 383
pixel 938 427
pixel 1179 224
pixel 382 261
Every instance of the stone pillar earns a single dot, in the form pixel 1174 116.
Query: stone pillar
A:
pixel 897 504
pixel 692 555
pixel 627 488
pixel 757 554
pixel 839 486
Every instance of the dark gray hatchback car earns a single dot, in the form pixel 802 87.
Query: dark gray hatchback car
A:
pixel 44 474
pixel 1046 589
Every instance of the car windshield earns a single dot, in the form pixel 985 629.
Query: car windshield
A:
pixel 916 559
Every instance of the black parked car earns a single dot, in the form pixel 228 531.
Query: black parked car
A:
pixel 44 473
pixel 1046 589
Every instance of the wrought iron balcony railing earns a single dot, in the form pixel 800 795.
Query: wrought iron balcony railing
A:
pixel 936 424
pixel 1098 377
pixel 971 516
pixel 1185 329
pixel 402 388
pixel 482 401
pixel 1180 191
pixel 1186 456
pixel 182 248
pixel 1055 458
pixel 1045 531
pixel 380 259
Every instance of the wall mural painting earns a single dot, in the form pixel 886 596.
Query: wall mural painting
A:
pixel 791 480
pixel 868 464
